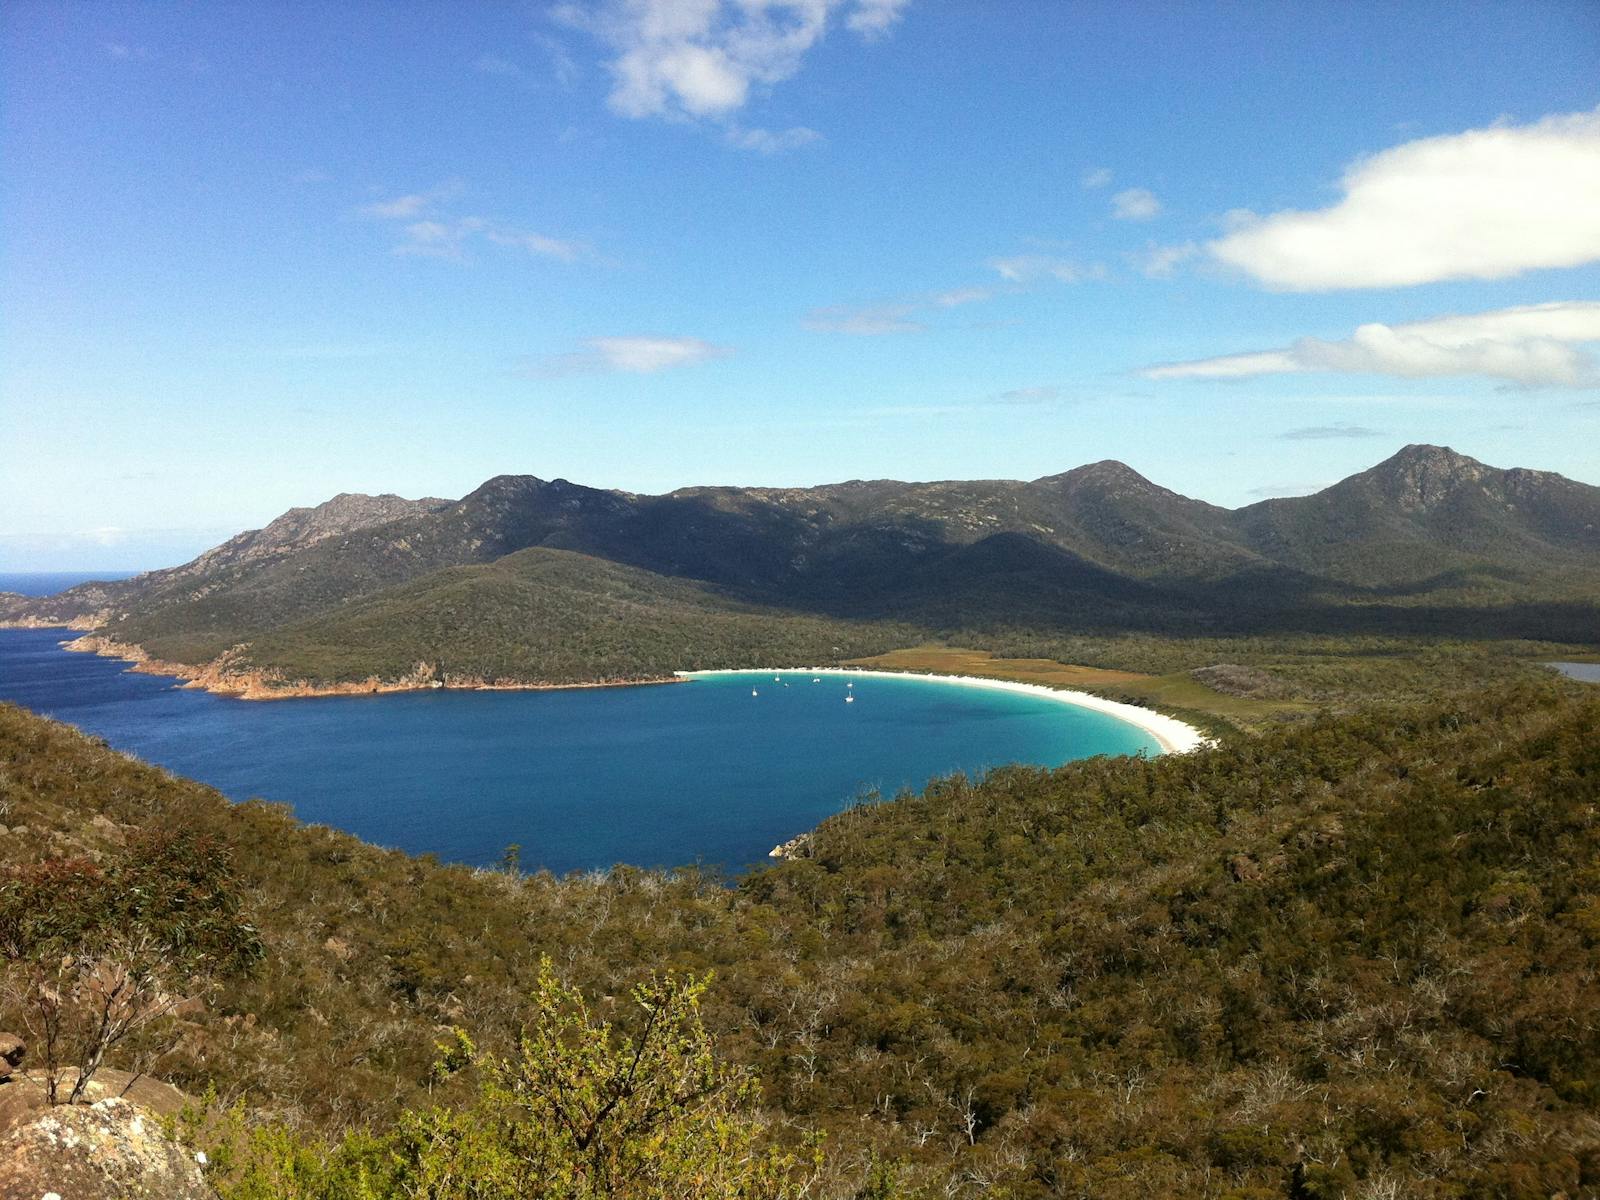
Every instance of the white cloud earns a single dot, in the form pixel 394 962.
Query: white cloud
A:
pixel 1536 346
pixel 1135 204
pixel 702 58
pixel 767 141
pixel 1028 268
pixel 633 355
pixel 1097 177
pixel 1485 204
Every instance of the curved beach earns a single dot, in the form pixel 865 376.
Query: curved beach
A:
pixel 1172 735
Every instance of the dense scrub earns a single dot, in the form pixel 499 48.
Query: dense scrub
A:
pixel 558 617
pixel 1354 956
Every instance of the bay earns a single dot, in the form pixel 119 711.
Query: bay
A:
pixel 666 775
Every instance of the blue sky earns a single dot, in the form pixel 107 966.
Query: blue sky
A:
pixel 252 256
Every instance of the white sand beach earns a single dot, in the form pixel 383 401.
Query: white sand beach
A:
pixel 1171 734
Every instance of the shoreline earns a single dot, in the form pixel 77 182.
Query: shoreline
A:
pixel 256 685
pixel 1172 735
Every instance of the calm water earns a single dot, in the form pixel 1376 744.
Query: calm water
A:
pixel 1586 672
pixel 657 776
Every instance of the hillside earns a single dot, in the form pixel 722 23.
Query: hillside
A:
pixel 1357 956
pixel 556 616
pixel 1427 544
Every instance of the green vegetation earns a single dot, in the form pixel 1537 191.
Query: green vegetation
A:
pixel 557 617
pixel 1351 955
pixel 1238 683
pixel 583 1113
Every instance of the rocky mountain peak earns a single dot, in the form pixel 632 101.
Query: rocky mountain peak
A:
pixel 1107 474
pixel 1421 476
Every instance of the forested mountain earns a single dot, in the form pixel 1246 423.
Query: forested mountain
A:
pixel 1428 541
pixel 1351 957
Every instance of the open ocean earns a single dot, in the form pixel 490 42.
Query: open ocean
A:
pixel 663 775
pixel 48 583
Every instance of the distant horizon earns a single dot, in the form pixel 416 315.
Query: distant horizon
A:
pixel 182 550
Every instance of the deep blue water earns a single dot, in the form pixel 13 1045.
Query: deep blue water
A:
pixel 48 583
pixel 656 776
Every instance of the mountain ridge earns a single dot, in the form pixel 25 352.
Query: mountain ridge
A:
pixel 1096 547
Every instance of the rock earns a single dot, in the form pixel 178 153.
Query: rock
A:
pixel 108 1150
pixel 795 847
pixel 24 1096
pixel 12 1048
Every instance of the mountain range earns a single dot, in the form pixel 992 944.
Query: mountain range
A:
pixel 531 579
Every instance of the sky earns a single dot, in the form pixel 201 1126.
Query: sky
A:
pixel 252 256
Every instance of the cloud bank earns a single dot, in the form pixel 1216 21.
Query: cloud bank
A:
pixel 1537 345
pixel 1485 204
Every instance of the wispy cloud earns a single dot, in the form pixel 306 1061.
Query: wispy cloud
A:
pixel 427 233
pixel 1486 204
pixel 768 141
pixel 1096 177
pixel 1278 491
pixel 1538 345
pixel 1027 397
pixel 563 68
pixel 1031 268
pixel 414 204
pixel 1159 262
pixel 895 316
pixel 493 64
pixel 1135 204
pixel 1326 433
pixel 700 59
pixel 631 355
pixel 874 18
pixel 871 321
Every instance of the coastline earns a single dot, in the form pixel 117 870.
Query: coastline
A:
pixel 1169 733
pixel 255 685
pixel 1172 735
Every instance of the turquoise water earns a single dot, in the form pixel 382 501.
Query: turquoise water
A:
pixel 655 776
